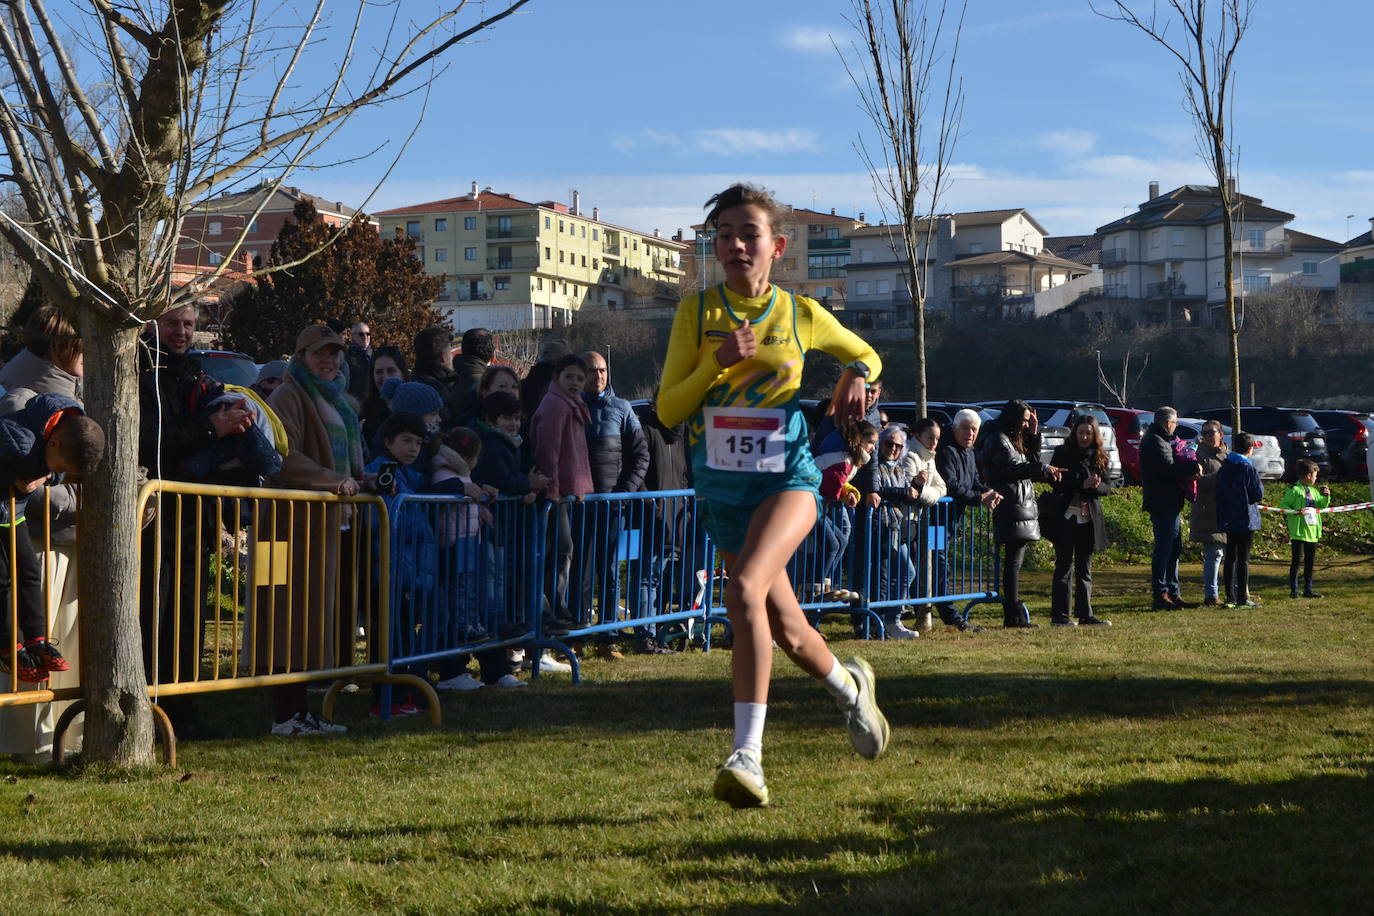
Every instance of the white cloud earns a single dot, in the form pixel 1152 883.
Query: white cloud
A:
pixel 808 38
pixel 724 141
pixel 1068 142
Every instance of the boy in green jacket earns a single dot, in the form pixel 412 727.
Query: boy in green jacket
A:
pixel 1305 525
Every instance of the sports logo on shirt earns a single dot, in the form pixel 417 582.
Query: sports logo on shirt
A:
pixel 773 340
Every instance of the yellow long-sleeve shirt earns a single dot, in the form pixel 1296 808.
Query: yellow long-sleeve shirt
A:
pixel 755 399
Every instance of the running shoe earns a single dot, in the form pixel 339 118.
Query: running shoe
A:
pixel 868 728
pixel 46 653
pixel 740 781
pixel 298 726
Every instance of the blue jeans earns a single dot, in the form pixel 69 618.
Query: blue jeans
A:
pixel 1168 548
pixel 1211 567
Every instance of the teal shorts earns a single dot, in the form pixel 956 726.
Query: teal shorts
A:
pixel 728 525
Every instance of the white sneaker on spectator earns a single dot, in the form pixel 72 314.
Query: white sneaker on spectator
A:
pixel 547 664
pixel 298 726
pixel 462 681
pixel 895 630
pixel 510 680
pixel 324 725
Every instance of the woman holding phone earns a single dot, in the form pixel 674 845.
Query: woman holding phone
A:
pixel 1012 458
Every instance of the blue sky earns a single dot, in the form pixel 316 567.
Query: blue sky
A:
pixel 649 107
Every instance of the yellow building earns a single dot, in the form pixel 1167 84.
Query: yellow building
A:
pixel 510 264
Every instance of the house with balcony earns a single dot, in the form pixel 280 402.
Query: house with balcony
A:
pixel 509 264
pixel 980 264
pixel 242 225
pixel 1164 263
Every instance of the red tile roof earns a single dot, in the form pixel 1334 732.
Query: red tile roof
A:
pixel 484 200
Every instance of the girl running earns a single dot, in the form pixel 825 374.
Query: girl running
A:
pixel 733 371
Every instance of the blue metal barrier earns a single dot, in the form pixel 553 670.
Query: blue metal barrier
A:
pixel 628 561
pixel 468 578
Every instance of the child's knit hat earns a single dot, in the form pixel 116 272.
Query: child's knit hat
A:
pixel 411 397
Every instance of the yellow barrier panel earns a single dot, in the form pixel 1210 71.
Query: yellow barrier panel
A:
pixel 243 587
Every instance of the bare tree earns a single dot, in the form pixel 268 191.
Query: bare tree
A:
pixel 1121 391
pixel 903 66
pixel 200 94
pixel 1206 52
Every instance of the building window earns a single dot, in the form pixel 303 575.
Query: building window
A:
pixel 866 256
pixel 596 263
pixel 539 281
pixel 1255 282
pixel 501 282
pixel 584 232
pixel 884 287
pixel 413 228
pixel 441 254
pixel 832 232
pixel 469 254
pixel 584 260
pixel 548 253
pixel 560 257
pixel 1309 268
pixel 1176 238
pixel 861 287
pixel 975 248
pixel 1155 238
pixel 469 222
pixel 216 227
pixel 443 292
pixel 547 222
pixel 441 225
pixel 215 258
pixel 560 225
pixel 1255 237
pixel 595 234
pixel 253 226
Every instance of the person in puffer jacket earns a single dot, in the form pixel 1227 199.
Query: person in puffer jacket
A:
pixel 50 435
pixel 616 448
pixel 1011 456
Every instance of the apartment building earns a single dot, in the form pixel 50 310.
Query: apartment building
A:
pixel 1357 257
pixel 1164 263
pixel 814 264
pixel 250 220
pixel 981 264
pixel 509 264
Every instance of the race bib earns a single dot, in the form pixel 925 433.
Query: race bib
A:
pixel 750 439
pixel 1309 516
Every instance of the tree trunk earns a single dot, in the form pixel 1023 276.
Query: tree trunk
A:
pixel 119 723
pixel 918 334
pixel 1228 244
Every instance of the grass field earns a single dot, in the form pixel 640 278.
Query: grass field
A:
pixel 1211 761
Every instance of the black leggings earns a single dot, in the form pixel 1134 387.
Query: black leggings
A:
pixel 1013 553
pixel 1306 552
pixel 1235 570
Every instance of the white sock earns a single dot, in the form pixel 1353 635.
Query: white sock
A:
pixel 749 728
pixel 841 685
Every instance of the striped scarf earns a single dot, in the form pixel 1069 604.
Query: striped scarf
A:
pixel 340 419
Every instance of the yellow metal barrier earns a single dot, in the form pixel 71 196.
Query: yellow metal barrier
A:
pixel 244 587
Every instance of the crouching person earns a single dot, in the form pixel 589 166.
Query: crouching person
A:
pixel 51 435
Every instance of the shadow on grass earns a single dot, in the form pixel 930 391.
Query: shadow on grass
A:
pixel 1202 845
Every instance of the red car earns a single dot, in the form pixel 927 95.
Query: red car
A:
pixel 1130 424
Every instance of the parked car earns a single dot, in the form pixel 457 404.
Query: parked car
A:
pixel 1129 425
pixel 227 366
pixel 1347 441
pixel 1296 429
pixel 1267 458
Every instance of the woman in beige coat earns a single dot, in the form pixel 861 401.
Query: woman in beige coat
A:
pixel 299 624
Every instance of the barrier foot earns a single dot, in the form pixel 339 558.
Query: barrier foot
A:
pixel 331 696
pixel 991 599
pixel 540 645
pixel 160 722
pixel 436 711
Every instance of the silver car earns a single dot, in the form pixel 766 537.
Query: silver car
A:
pixel 1267 458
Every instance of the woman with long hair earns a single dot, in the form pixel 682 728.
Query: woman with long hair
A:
pixel 1080 528
pixel 387 362
pixel 1012 458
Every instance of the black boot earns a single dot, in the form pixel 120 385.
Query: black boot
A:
pixel 1292 588
pixel 1307 590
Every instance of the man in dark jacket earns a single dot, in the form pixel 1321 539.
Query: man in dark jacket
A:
pixel 1162 474
pixel 434 367
pixel 619 459
pixel 359 358
pixel 957 463
pixel 171 432
pixel 666 540
pixel 478 349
